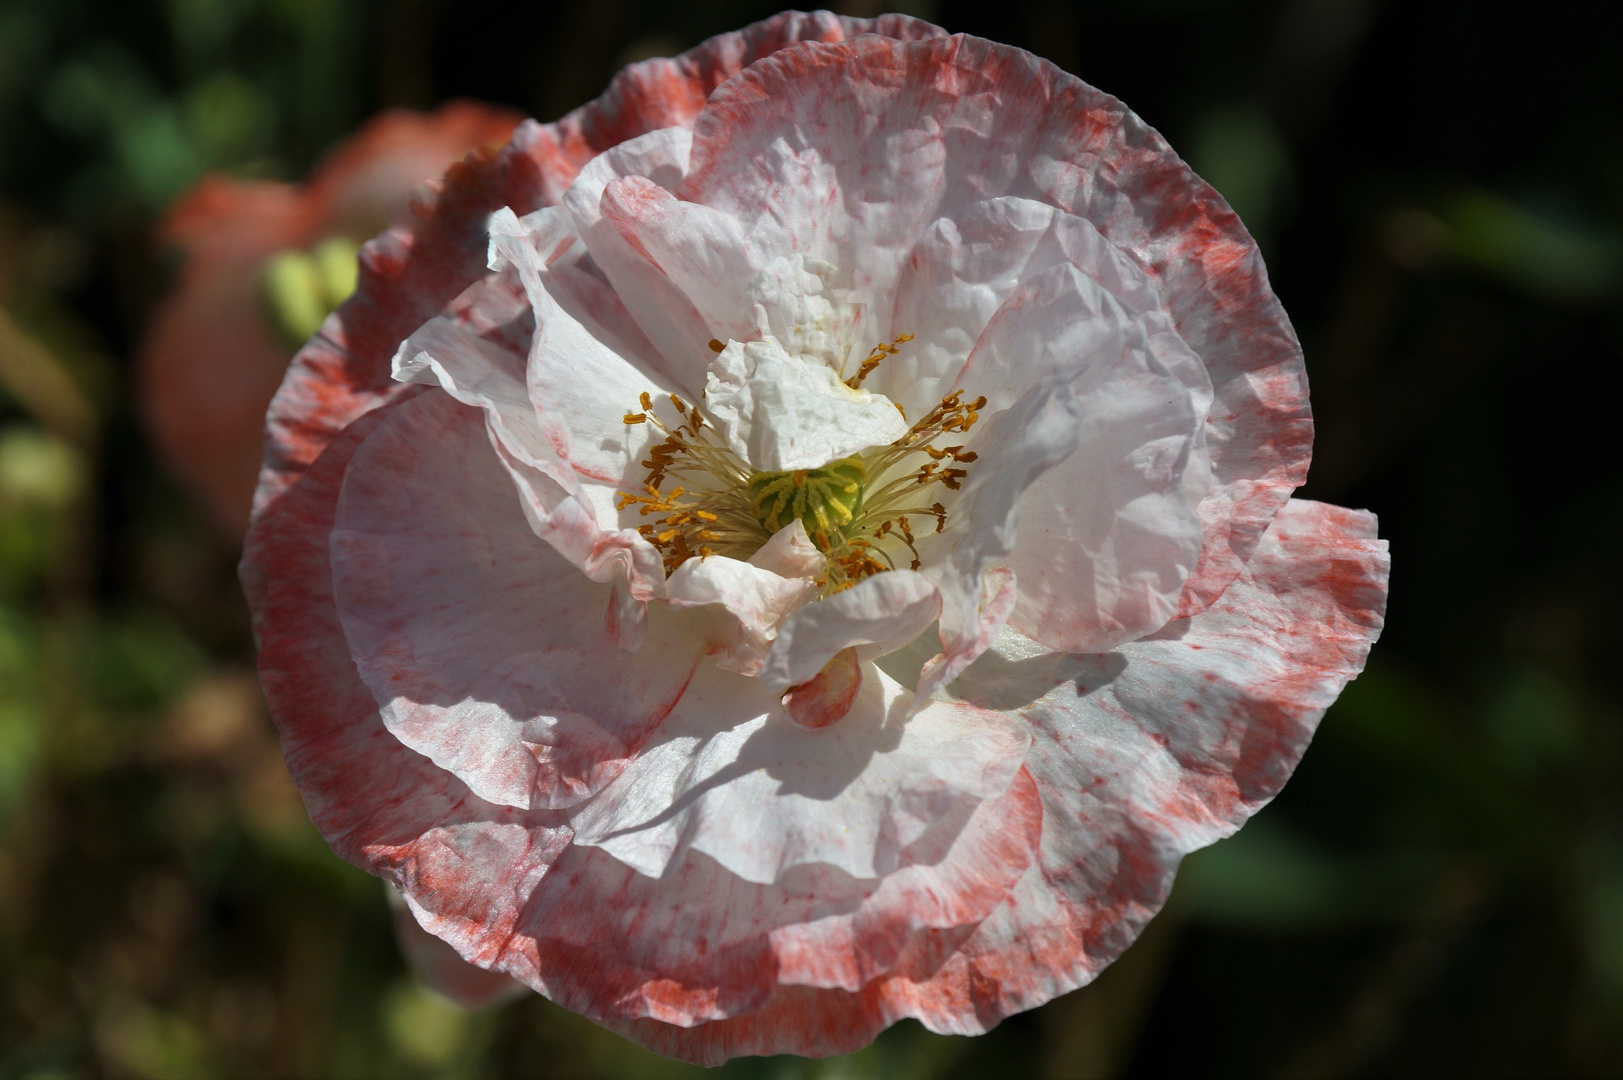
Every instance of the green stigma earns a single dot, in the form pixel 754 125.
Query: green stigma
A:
pixel 303 287
pixel 826 500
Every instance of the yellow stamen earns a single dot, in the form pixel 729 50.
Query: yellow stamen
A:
pixel 858 510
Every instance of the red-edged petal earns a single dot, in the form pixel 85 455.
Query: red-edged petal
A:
pixel 1142 756
pixel 700 944
pixel 1007 123
pixel 465 865
pixel 409 274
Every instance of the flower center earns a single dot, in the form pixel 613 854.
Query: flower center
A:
pixel 858 510
pixel 826 500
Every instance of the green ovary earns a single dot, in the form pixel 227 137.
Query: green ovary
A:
pixel 826 499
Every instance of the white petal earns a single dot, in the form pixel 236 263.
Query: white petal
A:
pixel 780 412
pixel 756 602
pixel 1106 540
pixel 967 265
pixel 791 553
pixel 664 314
pixel 581 388
pixel 1016 446
pixel 475 352
pixel 485 650
pixel 731 776
pixel 745 281
pixel 885 612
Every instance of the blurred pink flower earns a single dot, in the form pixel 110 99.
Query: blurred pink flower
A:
pixel 821 551
pixel 214 352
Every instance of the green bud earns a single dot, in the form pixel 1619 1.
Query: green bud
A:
pixel 302 288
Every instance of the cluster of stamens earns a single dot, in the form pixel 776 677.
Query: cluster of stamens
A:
pixel 858 510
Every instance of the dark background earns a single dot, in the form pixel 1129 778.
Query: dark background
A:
pixel 1438 187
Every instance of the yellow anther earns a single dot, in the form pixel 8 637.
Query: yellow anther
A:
pixel 716 346
pixel 646 401
pixel 857 510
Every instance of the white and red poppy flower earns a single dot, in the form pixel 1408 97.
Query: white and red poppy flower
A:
pixel 803 541
pixel 263 264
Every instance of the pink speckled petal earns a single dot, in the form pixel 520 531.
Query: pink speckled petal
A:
pixel 1141 756
pixel 440 968
pixel 730 775
pixel 380 805
pixel 817 884
pixel 1005 123
pixel 700 944
pixel 486 651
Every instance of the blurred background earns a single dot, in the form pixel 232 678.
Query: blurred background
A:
pixel 1438 186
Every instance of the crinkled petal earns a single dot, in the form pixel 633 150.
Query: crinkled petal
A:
pixel 781 412
pixel 755 602
pixel 666 315
pixel 730 775
pixel 744 283
pixel 967 266
pixel 1141 756
pixel 791 553
pixel 689 975
pixel 969 625
pixel 883 613
pixel 579 386
pixel 484 650
pixel 923 130
pixel 441 968
pixel 1017 446
pixel 1107 542
pixel 476 352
